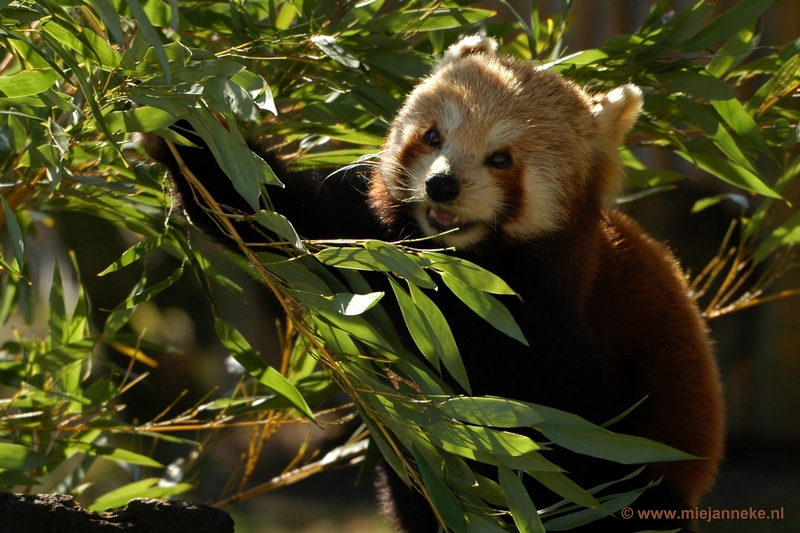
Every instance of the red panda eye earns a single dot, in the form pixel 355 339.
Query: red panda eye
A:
pixel 432 138
pixel 499 160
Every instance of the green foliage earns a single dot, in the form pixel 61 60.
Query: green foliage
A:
pixel 81 77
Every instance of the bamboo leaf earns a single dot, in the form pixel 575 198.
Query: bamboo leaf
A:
pixel 486 306
pixel 727 24
pixel 335 51
pixel 355 304
pixel 654 177
pixel 488 411
pixel 603 444
pixel 525 515
pixel 58 328
pixel 225 96
pixel 352 258
pixel 442 337
pixel 399 263
pixel 469 273
pixel 148 294
pixel 467 441
pixel 279 224
pixel 730 172
pixel 699 84
pixel 144 119
pixel 269 377
pixel 87 44
pixel 17 457
pixel 785 235
pixel 151 35
pixel 244 168
pixel 134 253
pixel 734 50
pixel 481 524
pixel 14 232
pixel 566 488
pixel 445 503
pixel 717 133
pixel 108 14
pixel 705 203
pixel 66 354
pixel 28 82
pixel 419 328
pixel 145 488
pixel 117 454
pixel 734 114
pixel 355 326
pixel 426 20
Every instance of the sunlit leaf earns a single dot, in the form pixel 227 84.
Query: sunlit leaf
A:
pixel 110 18
pixel 17 457
pixel 426 20
pixel 145 488
pixel 466 441
pixel 150 34
pixel 717 133
pixel 699 84
pixel 730 172
pixel 28 82
pixel 396 261
pixel 335 51
pixel 442 336
pixel 265 374
pixel 282 227
pixel 355 258
pixel 417 325
pixel 140 119
pixel 486 306
pixel 14 232
pixel 134 253
pixel 150 292
pixel 487 411
pixel 519 503
pixel 355 304
pixel 470 273
pixel 788 233
pixel 117 454
pixel 728 24
pixel 442 497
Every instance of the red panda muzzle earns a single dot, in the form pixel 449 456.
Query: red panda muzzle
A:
pixel 442 187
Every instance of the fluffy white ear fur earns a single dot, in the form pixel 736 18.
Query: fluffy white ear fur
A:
pixel 473 44
pixel 616 112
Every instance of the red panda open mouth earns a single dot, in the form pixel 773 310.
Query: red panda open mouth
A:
pixel 443 219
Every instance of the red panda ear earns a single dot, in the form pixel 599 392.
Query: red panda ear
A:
pixel 615 114
pixel 471 45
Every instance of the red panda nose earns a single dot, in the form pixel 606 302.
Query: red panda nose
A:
pixel 441 187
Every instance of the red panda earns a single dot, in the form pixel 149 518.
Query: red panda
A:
pixel 517 169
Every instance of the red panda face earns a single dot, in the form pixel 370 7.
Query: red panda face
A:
pixel 492 147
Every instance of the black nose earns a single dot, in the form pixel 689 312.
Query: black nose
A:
pixel 441 187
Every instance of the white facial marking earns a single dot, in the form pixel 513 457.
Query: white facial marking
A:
pixel 440 166
pixel 451 116
pixel 542 202
pixel 503 132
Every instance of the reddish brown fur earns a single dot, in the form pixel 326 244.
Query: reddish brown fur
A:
pixel 684 405
pixel 510 181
